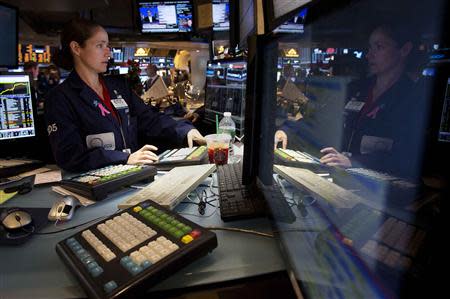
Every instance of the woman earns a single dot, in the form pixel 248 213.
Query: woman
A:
pixel 382 117
pixel 94 121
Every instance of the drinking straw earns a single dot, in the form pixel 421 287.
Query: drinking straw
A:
pixel 217 124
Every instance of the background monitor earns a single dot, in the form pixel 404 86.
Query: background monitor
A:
pixel 9 33
pixel 165 16
pixel 16 107
pixel 221 15
pixel 295 24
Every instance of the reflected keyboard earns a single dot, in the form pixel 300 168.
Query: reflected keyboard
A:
pixel 96 184
pixel 294 158
pixel 381 237
pixel 330 192
pixel 171 188
pixel 132 250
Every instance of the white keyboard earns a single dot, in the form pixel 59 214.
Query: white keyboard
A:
pixel 171 188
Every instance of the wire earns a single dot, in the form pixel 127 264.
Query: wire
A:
pixel 76 226
pixel 240 230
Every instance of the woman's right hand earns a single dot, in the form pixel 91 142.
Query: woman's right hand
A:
pixel 143 155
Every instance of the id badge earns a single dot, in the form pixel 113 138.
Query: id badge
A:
pixel 119 103
pixel 105 140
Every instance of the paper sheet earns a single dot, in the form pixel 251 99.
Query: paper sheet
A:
pixel 83 200
pixel 157 91
pixel 48 177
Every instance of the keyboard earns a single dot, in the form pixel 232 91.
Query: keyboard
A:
pixel 12 167
pixel 399 190
pixel 170 189
pixel 182 157
pixel 238 201
pixel 98 183
pixel 130 251
pixel 330 192
pixel 294 158
pixel 380 237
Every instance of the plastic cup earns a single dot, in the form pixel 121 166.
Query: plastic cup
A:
pixel 217 145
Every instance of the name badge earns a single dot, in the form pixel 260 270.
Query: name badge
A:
pixel 371 144
pixel 105 140
pixel 119 103
pixel 355 106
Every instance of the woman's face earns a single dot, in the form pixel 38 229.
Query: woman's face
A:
pixel 384 54
pixel 95 53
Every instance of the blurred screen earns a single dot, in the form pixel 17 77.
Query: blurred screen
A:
pixel 221 15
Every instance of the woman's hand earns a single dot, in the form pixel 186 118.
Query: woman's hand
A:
pixel 334 158
pixel 280 136
pixel 143 155
pixel 194 135
pixel 192 116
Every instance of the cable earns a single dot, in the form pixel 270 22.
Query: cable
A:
pixel 240 230
pixel 76 226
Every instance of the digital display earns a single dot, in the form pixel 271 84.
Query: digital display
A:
pixel 444 128
pixel 165 16
pixel 294 25
pixel 16 107
pixel 221 15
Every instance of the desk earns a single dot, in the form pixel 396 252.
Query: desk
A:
pixel 33 270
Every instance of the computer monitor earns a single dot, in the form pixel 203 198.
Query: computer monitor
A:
pixel 17 118
pixel 9 25
pixel 221 15
pixel 165 16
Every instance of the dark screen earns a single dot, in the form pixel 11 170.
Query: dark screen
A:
pixel 8 32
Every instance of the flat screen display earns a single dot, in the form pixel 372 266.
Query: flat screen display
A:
pixel 8 32
pixel 221 15
pixel 165 16
pixel 294 25
pixel 16 107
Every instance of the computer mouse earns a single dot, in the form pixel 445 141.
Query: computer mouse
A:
pixel 63 209
pixel 15 218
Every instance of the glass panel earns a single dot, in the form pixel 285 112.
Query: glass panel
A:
pixel 357 92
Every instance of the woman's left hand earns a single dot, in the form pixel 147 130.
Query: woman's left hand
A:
pixel 194 135
pixel 334 158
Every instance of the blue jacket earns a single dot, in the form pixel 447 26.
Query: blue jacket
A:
pixel 75 117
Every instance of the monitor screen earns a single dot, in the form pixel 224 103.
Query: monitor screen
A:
pixel 165 16
pixel 221 15
pixel 8 32
pixel 444 128
pixel 16 107
pixel 294 25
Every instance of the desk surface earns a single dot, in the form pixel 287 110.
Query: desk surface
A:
pixel 33 270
